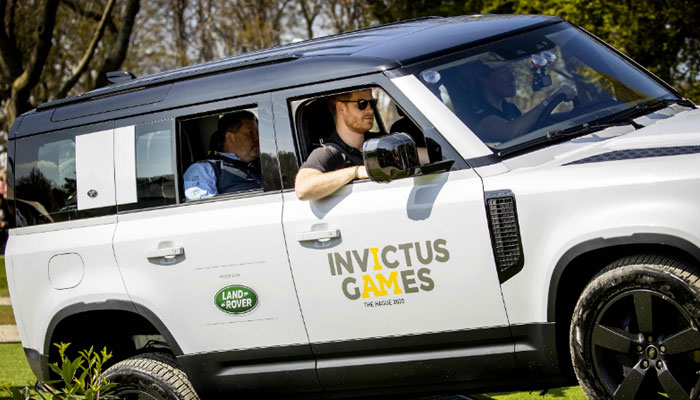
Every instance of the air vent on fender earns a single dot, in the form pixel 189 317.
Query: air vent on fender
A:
pixel 631 154
pixel 505 233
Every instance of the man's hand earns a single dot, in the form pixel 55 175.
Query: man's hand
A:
pixel 567 90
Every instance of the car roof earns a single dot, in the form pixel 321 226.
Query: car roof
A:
pixel 338 56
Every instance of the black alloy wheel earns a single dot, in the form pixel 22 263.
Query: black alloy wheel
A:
pixel 634 333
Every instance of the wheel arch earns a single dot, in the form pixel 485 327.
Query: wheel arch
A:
pixel 111 323
pixel 609 249
pixel 571 275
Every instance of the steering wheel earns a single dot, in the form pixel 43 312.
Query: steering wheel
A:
pixel 542 119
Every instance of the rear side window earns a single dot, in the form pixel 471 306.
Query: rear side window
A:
pixel 155 165
pixel 46 182
pixel 155 175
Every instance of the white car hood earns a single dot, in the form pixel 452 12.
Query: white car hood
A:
pixel 674 127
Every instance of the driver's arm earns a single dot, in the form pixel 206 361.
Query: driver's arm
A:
pixel 312 184
pixel 506 130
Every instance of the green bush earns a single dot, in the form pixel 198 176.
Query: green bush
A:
pixel 81 379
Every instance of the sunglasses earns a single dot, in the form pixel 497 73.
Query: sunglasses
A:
pixel 362 104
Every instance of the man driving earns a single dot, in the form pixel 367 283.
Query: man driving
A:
pixel 339 160
pixel 233 162
pixel 493 117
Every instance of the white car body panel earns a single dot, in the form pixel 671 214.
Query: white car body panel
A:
pixel 560 206
pixel 225 242
pixel 369 215
pixel 101 280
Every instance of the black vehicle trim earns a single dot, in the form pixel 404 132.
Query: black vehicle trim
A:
pixel 634 154
pixel 276 369
pixel 110 305
pixel 432 362
pixel 504 230
pixel 602 243
pixel 483 161
pixel 136 85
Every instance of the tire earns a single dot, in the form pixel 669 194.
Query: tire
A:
pixel 150 376
pixel 634 333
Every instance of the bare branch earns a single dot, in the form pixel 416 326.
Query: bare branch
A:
pixel 206 52
pixel 37 59
pixel 89 52
pixel 115 59
pixel 178 10
pixel 11 23
pixel 23 84
pixel 89 13
pixel 310 12
pixel 10 58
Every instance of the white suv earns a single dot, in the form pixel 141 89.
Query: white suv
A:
pixel 555 230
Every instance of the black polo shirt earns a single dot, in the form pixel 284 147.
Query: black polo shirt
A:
pixel 335 154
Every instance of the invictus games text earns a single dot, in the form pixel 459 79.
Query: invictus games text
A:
pixel 377 272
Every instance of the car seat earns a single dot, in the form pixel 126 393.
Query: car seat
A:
pixel 314 123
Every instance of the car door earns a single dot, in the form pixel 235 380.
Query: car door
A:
pixel 396 281
pixel 215 271
pixel 65 209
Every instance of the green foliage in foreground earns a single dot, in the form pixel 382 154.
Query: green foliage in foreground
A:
pixel 81 379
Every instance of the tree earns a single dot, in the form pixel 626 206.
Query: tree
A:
pixel 347 15
pixel 52 58
pixel 21 70
pixel 663 36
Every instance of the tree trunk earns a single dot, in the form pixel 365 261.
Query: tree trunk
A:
pixel 82 66
pixel 115 59
pixel 23 84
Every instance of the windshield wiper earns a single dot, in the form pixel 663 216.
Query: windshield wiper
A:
pixel 589 128
pixel 622 118
pixel 647 107
pixel 578 130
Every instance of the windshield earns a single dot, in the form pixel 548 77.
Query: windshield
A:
pixel 519 89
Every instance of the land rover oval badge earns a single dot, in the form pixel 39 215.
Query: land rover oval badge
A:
pixel 236 299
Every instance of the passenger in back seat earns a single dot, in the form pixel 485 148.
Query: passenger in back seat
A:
pixel 233 162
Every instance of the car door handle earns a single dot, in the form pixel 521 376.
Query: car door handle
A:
pixel 310 236
pixel 167 252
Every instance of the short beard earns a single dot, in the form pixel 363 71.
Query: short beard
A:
pixel 355 124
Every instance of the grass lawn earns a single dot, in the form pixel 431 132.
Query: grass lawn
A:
pixel 14 367
pixel 569 393
pixel 6 316
pixel 3 279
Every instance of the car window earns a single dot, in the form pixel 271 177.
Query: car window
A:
pixel 155 166
pixel 220 154
pixel 314 122
pixel 519 89
pixel 46 182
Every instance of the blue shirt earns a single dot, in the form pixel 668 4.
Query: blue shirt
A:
pixel 200 179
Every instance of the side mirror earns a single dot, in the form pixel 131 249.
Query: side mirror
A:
pixel 390 157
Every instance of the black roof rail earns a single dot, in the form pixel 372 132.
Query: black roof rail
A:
pixel 119 76
pixel 128 85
